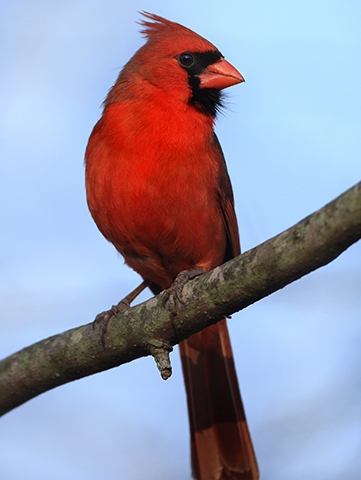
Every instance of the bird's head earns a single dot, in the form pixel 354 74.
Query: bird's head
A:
pixel 180 63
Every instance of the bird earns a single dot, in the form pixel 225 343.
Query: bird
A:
pixel 158 189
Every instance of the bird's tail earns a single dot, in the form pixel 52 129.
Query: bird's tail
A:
pixel 221 445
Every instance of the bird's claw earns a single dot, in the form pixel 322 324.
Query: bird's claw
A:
pixel 103 318
pixel 173 294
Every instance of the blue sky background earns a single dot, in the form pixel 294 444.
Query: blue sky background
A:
pixel 291 137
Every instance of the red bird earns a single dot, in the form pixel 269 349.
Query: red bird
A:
pixel 158 189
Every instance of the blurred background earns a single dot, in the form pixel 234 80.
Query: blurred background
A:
pixel 291 137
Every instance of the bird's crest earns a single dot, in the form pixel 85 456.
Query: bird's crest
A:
pixel 157 24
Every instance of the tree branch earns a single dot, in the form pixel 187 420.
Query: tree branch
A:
pixel 149 328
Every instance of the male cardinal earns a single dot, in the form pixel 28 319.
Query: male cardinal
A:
pixel 158 189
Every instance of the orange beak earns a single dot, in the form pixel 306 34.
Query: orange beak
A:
pixel 220 75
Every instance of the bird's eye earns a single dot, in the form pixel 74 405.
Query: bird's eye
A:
pixel 186 59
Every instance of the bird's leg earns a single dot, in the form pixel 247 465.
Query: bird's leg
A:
pixel 171 295
pixel 104 317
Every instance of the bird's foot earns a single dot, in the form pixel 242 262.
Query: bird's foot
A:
pixel 103 318
pixel 173 294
